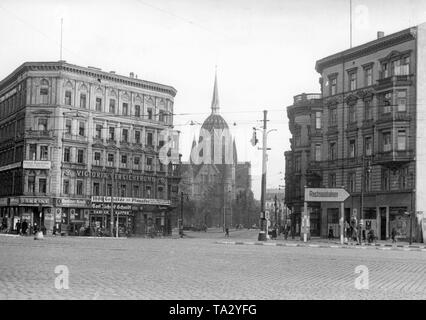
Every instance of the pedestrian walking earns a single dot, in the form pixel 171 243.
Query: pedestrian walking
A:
pixel 393 234
pixel 24 227
pixel 227 233
pixel 18 227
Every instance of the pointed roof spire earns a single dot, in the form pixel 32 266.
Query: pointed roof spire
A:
pixel 215 99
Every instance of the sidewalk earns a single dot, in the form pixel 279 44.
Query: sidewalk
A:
pixel 324 243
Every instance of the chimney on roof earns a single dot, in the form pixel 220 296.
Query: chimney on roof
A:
pixel 380 34
pixel 132 75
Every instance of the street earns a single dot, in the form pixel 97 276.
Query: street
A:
pixel 196 267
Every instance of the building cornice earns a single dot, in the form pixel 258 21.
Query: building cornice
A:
pixel 62 66
pixel 367 48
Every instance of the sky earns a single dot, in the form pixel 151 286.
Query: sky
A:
pixel 264 51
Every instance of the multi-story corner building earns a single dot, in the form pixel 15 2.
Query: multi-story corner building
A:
pixel 72 137
pixel 364 134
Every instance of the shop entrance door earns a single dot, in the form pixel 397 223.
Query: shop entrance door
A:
pixel 383 223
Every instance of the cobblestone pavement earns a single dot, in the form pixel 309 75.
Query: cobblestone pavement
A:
pixel 198 268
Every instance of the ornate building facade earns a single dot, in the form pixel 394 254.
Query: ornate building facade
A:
pixel 360 133
pixel 72 137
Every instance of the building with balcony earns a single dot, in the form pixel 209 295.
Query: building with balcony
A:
pixel 363 134
pixel 72 137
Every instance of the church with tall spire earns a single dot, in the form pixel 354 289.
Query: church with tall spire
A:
pixel 209 176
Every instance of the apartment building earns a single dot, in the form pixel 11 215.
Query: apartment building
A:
pixel 362 133
pixel 71 137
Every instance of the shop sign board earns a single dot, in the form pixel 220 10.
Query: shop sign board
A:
pixel 36 164
pixel 97 199
pixel 34 200
pixel 326 194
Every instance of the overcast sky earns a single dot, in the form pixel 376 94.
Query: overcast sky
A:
pixel 265 52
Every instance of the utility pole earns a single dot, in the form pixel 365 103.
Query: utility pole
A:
pixel 181 216
pixel 111 224
pixel 362 197
pixel 262 234
pixel 276 214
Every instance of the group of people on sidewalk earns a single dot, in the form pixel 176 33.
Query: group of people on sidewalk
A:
pixel 24 228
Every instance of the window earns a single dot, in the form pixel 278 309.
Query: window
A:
pixel 149 138
pixel 31 184
pixel 82 100
pixel 33 152
pixel 352 114
pixel 68 98
pixel 387 102
pixel 124 161
pixel 80 156
pixel 368 76
pixel 66 187
pixel 367 180
pixel 136 162
pixel 42 124
pixel 123 190
pixel 137 110
pixel 160 193
pixel 333 116
pixel 98 131
pixel 148 192
pixel 125 135
pixel 136 191
pixel 401 100
pixel 98 104
pixel 44 95
pixel 110 159
pixel 125 110
pixel 386 142
pixel 401 67
pixel 368 146
pixel 67 154
pixel 97 158
pixel 332 180
pixel 109 190
pixel 161 116
pixel 111 106
pixel 332 151
pixel 96 188
pixel 318 152
pixel 352 143
pixel 138 136
pixel 44 153
pixel 81 128
pixel 297 162
pixel 318 116
pixel 79 190
pixel 111 133
pixel 368 110
pixel 385 179
pixel 403 178
pixel 352 81
pixel 42 184
pixel 68 126
pixel 333 86
pixel 402 140
pixel 149 113
pixel 148 163
pixel 385 70
pixel 351 182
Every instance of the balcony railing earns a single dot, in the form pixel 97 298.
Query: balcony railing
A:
pixel 306 97
pixel 39 133
pixel 394 156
